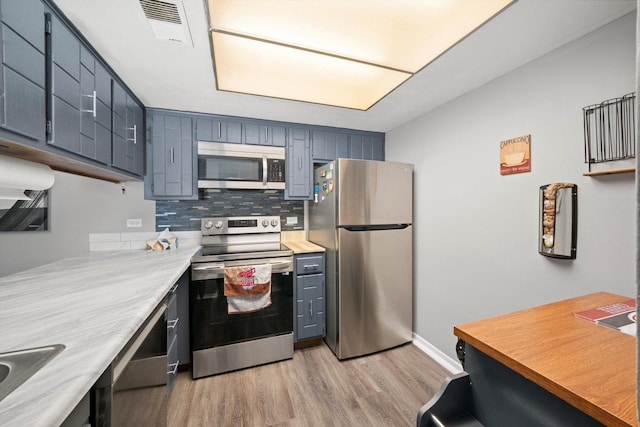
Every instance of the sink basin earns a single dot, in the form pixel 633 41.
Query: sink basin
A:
pixel 18 366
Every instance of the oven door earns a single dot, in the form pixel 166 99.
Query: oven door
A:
pixel 212 325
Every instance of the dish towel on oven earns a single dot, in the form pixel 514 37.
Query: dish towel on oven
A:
pixel 247 288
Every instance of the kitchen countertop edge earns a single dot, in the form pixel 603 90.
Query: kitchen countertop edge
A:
pixel 92 304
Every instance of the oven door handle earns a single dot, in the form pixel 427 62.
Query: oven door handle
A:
pixel 208 267
pixel 216 270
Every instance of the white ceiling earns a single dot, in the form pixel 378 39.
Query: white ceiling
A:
pixel 165 74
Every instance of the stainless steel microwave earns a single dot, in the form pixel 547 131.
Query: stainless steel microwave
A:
pixel 240 166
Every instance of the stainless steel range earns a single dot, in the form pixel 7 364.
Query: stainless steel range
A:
pixel 220 341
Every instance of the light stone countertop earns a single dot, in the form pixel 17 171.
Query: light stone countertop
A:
pixel 92 304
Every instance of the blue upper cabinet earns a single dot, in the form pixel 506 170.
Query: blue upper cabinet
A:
pixel 218 130
pixel 329 145
pixel 171 156
pixel 65 99
pixel 56 95
pixel 128 131
pixel 299 167
pixel 95 108
pixel 366 146
pixel 262 133
pixel 22 75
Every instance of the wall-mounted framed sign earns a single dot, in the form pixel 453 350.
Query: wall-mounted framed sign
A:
pixel 26 215
pixel 515 155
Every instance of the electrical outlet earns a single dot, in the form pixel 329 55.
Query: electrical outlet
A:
pixel 292 220
pixel 134 222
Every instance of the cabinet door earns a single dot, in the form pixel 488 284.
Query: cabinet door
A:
pixel 119 114
pixel 277 135
pixel 217 130
pixel 135 131
pixel 299 165
pixel 128 132
pixel 103 117
pixel 264 134
pixel 355 147
pixel 328 146
pixel 234 132
pixel 171 145
pixel 366 146
pixel 22 75
pixel 319 145
pixel 310 306
pixel 211 130
pixel 251 133
pixel 95 112
pixel 377 147
pixel 65 88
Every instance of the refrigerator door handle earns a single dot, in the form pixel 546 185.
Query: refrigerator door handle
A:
pixel 374 227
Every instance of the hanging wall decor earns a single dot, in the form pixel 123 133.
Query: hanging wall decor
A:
pixel 558 223
pixel 609 135
pixel 515 155
pixel 26 215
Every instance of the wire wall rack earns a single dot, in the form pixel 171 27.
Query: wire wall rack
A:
pixel 609 130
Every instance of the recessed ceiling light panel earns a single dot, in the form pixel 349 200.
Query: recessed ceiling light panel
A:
pixel 388 39
pixel 274 70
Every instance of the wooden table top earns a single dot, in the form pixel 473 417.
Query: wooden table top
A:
pixel 590 366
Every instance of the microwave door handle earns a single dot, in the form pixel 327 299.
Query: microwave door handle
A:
pixel 264 170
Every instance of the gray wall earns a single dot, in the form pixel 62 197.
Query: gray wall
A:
pixel 77 206
pixel 476 231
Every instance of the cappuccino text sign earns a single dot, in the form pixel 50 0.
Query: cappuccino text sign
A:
pixel 515 155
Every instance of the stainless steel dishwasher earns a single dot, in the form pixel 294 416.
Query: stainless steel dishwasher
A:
pixel 133 390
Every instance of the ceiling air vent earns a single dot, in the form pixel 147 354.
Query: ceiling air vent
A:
pixel 167 20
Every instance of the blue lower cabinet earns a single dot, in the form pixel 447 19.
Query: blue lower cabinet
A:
pixel 309 288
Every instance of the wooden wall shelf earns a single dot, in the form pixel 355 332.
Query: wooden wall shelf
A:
pixel 609 171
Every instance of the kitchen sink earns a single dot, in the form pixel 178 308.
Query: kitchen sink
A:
pixel 18 366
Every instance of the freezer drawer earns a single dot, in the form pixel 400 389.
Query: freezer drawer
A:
pixel 374 291
pixel 370 192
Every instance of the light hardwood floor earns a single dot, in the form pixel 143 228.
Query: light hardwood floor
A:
pixel 312 389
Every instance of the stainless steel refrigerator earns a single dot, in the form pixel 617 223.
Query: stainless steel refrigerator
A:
pixel 362 215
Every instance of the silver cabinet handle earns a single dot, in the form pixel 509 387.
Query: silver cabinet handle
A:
pixel 219 130
pixel 173 288
pixel 172 156
pixel 266 134
pixel 264 170
pixel 311 266
pixel 93 111
pixel 171 324
pixel 300 162
pixel 173 368
pixel 311 308
pixel 135 134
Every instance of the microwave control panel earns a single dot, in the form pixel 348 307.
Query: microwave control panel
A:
pixel 275 170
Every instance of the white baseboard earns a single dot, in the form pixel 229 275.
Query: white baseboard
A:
pixel 432 351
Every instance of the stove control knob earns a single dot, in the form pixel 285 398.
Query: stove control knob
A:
pixel 274 222
pixel 265 223
pixel 208 224
pixel 218 224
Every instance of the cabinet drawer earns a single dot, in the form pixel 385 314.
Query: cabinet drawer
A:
pixel 312 264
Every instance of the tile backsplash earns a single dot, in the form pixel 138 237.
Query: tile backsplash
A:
pixel 185 215
pixel 137 240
